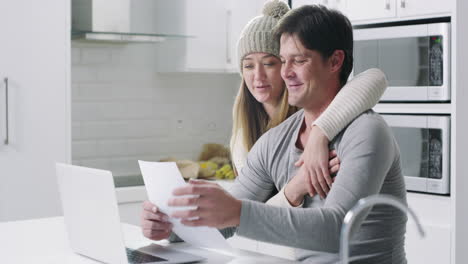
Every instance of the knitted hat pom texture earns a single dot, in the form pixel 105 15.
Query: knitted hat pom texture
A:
pixel 275 9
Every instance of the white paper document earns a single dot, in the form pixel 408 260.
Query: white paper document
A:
pixel 161 178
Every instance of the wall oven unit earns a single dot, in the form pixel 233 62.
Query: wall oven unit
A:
pixel 415 58
pixel 424 142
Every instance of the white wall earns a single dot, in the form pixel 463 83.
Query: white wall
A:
pixel 124 110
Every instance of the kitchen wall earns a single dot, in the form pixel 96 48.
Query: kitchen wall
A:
pixel 124 110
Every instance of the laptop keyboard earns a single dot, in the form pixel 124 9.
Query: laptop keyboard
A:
pixel 136 257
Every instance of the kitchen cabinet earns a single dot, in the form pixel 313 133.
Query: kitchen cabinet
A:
pixel 371 9
pixel 434 248
pixel 34 52
pixel 335 4
pixel 238 13
pixel 212 45
pixel 435 220
pixel 358 10
pixel 443 218
pixel 407 8
pixel 130 200
pixel 208 22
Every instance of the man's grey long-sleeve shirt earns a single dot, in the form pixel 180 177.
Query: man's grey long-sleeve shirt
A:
pixel 370 164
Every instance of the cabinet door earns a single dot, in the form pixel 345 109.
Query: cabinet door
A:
pixel 239 13
pixel 434 215
pixel 434 248
pixel 423 7
pixel 338 4
pixel 370 9
pixel 298 3
pixel 207 22
pixel 34 52
pixel 335 4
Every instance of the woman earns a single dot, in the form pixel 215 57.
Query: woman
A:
pixel 262 102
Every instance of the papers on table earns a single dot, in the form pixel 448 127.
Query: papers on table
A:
pixel 161 178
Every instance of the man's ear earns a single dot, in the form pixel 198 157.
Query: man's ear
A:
pixel 336 60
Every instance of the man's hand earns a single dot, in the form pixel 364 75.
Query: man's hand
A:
pixel 154 224
pixel 215 207
pixel 319 163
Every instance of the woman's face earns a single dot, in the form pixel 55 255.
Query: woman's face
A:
pixel 262 75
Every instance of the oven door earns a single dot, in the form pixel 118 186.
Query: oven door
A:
pixel 424 143
pixel 415 59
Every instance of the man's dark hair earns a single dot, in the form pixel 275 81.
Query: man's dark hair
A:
pixel 323 30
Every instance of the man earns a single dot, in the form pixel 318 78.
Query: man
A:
pixel 316 52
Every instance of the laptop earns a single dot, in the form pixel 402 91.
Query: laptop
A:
pixel 93 223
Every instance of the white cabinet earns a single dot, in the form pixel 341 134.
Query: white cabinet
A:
pixel 434 214
pixel 370 9
pixel 205 27
pixel 239 13
pixel 298 3
pixel 130 200
pixel 214 27
pixel 407 8
pixel 335 4
pixel 34 52
pixel 214 46
pixel 358 10
pixel 434 248
pixel 207 21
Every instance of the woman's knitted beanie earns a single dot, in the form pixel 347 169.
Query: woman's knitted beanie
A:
pixel 257 36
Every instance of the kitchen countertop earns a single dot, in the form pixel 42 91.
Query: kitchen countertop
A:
pixel 45 241
pixel 128 181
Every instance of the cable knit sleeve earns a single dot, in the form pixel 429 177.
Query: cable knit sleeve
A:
pixel 280 200
pixel 361 93
pixel 238 152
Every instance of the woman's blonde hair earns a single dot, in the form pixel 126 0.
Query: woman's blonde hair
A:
pixel 250 118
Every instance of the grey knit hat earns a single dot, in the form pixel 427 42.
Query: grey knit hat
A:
pixel 257 36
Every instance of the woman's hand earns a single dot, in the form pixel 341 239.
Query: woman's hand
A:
pixel 214 206
pixel 297 188
pixel 154 224
pixel 318 163
pixel 301 184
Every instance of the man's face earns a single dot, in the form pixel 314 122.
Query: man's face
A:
pixel 304 71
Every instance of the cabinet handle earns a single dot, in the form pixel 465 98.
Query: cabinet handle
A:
pixel 403 3
pixel 387 4
pixel 228 36
pixel 7 138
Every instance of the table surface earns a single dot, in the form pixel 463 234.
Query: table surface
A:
pixel 45 241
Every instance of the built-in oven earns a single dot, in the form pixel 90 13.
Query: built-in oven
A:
pixel 424 142
pixel 415 58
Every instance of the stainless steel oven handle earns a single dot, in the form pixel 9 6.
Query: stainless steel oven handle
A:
pixel 7 137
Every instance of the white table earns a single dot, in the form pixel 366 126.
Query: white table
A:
pixel 45 241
